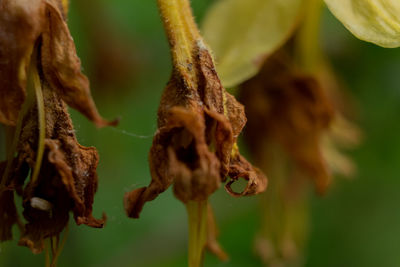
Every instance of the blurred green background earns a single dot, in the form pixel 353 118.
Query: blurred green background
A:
pixel 356 224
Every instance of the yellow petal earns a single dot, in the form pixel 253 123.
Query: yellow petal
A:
pixel 376 21
pixel 243 32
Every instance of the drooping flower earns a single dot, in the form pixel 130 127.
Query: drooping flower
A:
pixel 292 109
pixel 198 125
pixel 39 73
pixel 194 147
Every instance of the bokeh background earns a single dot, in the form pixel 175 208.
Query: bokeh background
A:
pixel 125 54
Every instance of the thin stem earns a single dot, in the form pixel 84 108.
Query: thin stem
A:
pixel 41 115
pixel 47 253
pixel 182 33
pixel 307 42
pixel 197 215
pixel 60 247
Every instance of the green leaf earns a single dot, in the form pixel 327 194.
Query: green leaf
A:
pixel 376 21
pixel 242 33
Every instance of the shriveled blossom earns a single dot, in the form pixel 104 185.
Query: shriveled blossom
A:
pixel 292 109
pixel 195 147
pixel 296 123
pixel 39 73
pixel 198 125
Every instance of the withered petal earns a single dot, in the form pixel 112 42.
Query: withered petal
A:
pixel 21 24
pixel 62 67
pixel 179 153
pixel 241 168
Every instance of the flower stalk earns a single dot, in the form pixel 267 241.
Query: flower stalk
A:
pixel 197 218
pixel 307 40
pixel 182 34
pixel 41 117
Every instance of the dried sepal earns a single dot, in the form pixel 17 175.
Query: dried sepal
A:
pixel 199 123
pixel 292 109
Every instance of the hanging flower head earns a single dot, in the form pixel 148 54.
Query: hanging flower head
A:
pixel 198 125
pixel 39 73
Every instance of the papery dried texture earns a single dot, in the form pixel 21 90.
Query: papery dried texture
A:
pixel 20 26
pixel 67 180
pixel 26 23
pixel 292 109
pixel 375 21
pixel 242 34
pixel 199 123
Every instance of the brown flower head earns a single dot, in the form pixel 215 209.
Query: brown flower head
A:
pixel 290 108
pixel 39 72
pixel 198 125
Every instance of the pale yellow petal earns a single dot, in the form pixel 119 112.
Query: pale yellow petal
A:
pixel 243 32
pixel 376 21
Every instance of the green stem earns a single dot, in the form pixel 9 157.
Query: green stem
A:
pixel 41 116
pixel 182 34
pixel 47 253
pixel 307 40
pixel 197 217
pixel 60 247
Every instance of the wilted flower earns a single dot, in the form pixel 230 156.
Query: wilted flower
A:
pixel 194 147
pixel 40 70
pixel 292 109
pixel 198 125
pixel 291 116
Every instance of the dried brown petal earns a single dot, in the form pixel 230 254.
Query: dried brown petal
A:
pixel 21 23
pixel 199 123
pixel 26 23
pixel 241 168
pixel 62 67
pixel 292 109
